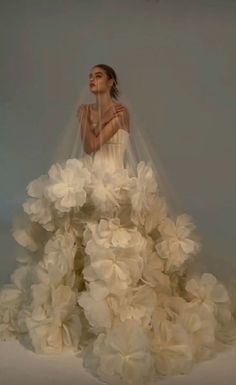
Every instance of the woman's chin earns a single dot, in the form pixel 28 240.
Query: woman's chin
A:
pixel 93 90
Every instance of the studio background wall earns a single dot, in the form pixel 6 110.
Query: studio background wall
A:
pixel 176 61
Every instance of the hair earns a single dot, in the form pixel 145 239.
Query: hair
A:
pixel 114 92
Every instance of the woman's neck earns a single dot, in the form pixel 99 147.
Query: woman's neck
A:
pixel 103 102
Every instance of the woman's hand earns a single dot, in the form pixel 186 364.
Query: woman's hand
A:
pixel 81 111
pixel 116 110
pixel 112 112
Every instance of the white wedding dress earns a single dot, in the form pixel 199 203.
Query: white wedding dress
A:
pixel 105 272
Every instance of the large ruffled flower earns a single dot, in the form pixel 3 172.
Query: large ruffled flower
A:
pixel 172 358
pixel 10 301
pixel 109 233
pixel 95 306
pixel 54 326
pixel 59 256
pixel 171 346
pixel 150 215
pixel 136 303
pixel 200 326
pixel 153 270
pixel 157 212
pixel 207 292
pixel 143 185
pixel 28 234
pixel 109 189
pixel 168 309
pixel 175 245
pixel 147 207
pixel 117 267
pixel 38 207
pixel 67 185
pixel 123 355
pixel 13 298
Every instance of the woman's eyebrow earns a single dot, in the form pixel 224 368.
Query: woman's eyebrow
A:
pixel 95 73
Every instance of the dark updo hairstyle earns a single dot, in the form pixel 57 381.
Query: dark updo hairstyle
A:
pixel 111 75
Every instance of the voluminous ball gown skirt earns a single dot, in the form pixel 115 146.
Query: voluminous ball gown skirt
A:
pixel 106 272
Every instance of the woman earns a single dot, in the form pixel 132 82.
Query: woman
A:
pixel 108 268
pixel 104 118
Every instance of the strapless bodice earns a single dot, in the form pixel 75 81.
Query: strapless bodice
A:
pixel 111 154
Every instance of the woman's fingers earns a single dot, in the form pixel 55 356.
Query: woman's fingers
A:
pixel 118 108
pixel 80 111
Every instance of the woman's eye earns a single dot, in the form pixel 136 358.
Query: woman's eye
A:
pixel 96 76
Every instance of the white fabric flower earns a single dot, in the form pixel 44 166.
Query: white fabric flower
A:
pixel 24 238
pixel 109 233
pixel 200 326
pixel 25 258
pixel 67 185
pixel 109 189
pixel 173 358
pixel 156 213
pixel 123 354
pixel 148 208
pixel 28 234
pixel 54 326
pixel 136 303
pixel 95 306
pixel 142 185
pixel 117 267
pixel 168 309
pixel 63 301
pixel 176 246
pixel 207 291
pixel 178 324
pixel 188 323
pixel 59 256
pixel 153 271
pixel 151 215
pixel 41 295
pixel 47 338
pixel 106 267
pixel 21 277
pixel 14 298
pixel 171 344
pixel 38 207
pixel 87 161
pixel 47 280
pixel 10 302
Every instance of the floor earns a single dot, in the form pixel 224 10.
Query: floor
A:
pixel 19 366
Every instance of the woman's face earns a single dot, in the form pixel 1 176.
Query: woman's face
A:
pixel 99 82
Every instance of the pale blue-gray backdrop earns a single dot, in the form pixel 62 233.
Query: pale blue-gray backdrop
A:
pixel 177 60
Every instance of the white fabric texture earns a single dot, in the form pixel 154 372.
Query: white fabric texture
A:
pixel 111 154
pixel 106 272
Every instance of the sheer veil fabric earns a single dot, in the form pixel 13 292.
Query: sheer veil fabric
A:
pixel 139 148
pixel 105 267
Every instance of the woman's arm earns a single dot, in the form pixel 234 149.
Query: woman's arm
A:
pixel 91 141
pixel 86 130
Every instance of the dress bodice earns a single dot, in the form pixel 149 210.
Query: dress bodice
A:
pixel 111 154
